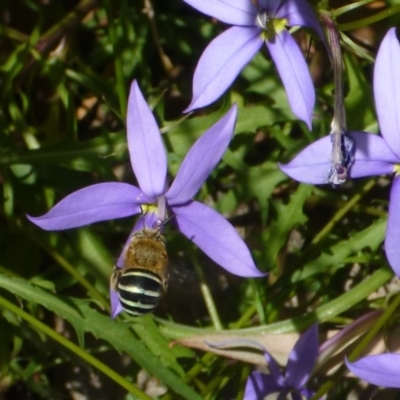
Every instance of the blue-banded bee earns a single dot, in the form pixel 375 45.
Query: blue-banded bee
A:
pixel 143 278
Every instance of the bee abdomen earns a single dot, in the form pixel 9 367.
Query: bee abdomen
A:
pixel 139 291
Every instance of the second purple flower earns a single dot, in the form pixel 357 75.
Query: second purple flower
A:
pixel 266 23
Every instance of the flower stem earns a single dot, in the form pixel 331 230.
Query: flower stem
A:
pixel 339 114
pixel 321 235
pixel 199 367
pixel 208 299
pixel 388 12
pixel 244 318
pixel 258 302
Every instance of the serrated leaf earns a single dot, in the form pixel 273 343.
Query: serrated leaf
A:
pixel 289 215
pixel 334 256
pixel 86 319
pixel 61 306
pixel 120 336
pixel 157 343
pixel 251 118
pixel 261 182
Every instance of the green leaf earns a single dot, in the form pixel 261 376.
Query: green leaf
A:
pixel 181 137
pixel 334 257
pixel 157 343
pixel 86 319
pixel 288 217
pixel 61 306
pixel 252 117
pixel 359 101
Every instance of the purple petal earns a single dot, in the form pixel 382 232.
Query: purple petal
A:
pixel 312 165
pixel 373 156
pixel 238 12
pixel 307 394
pixel 294 73
pixel 270 6
pixel 202 159
pixel 274 368
pixel 300 13
pixel 210 231
pixel 387 89
pixel 259 385
pixel 221 62
pixel 116 307
pixel 392 247
pixel 95 203
pixel 379 369
pixel 302 359
pixel 146 148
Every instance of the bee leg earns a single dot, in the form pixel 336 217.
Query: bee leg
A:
pixel 115 278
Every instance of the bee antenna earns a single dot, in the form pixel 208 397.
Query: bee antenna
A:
pixel 168 219
pixel 162 223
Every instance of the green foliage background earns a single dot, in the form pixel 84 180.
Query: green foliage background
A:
pixel 65 72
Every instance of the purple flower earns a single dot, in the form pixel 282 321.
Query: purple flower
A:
pixel 378 369
pixel 201 224
pixel 227 54
pixel 298 370
pixel 374 155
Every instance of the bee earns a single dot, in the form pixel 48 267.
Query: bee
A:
pixel 143 278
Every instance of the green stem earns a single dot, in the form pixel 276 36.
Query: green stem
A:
pixel 81 353
pixel 208 298
pixel 100 147
pixel 258 302
pixel 13 34
pixel 93 292
pixel 244 318
pixel 331 309
pixel 350 7
pixel 357 208
pixel 356 48
pixel 369 20
pixel 375 328
pixel 339 215
pixel 119 68
pixel 197 368
pixel 323 313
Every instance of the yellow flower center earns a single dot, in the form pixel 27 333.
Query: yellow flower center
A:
pixel 149 208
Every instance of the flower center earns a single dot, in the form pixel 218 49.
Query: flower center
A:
pixel 159 210
pixel 270 26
